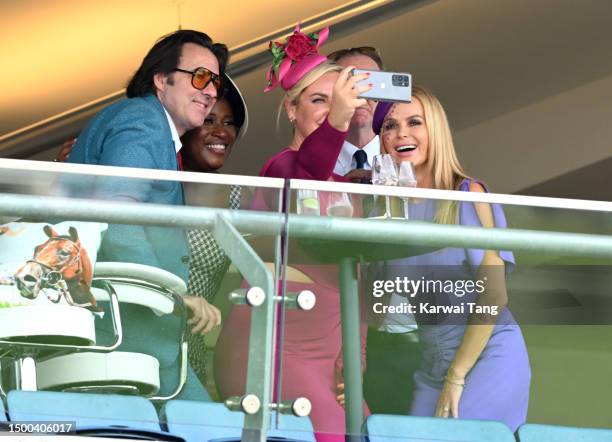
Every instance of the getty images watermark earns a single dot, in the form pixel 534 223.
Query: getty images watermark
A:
pixel 409 288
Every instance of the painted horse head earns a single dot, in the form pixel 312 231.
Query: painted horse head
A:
pixel 61 257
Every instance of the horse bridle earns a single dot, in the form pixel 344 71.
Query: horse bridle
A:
pixel 54 275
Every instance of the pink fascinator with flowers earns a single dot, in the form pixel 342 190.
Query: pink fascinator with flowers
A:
pixel 295 58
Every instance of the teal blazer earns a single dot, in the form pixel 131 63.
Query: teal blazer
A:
pixel 135 133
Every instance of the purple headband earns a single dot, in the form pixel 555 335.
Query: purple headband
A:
pixel 382 109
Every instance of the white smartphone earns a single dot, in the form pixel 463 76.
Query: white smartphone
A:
pixel 388 86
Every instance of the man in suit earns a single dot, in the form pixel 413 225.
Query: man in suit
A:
pixel 392 350
pixel 172 92
pixel 362 144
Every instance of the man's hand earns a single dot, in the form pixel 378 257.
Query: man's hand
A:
pixel 62 155
pixel 203 317
pixel 359 176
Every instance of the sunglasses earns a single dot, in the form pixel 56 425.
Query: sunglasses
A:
pixel 202 77
pixel 368 51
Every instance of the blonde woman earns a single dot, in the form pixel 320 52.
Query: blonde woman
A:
pixel 475 365
pixel 320 100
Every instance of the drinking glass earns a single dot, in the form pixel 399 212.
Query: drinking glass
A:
pixel 308 202
pixel 407 178
pixel 384 172
pixel 339 204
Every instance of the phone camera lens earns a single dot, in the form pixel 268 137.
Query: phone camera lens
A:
pixel 400 80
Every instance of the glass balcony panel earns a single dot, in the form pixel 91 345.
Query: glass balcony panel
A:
pixel 399 276
pixel 228 229
pixel 405 265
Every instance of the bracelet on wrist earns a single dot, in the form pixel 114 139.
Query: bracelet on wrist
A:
pixel 454 382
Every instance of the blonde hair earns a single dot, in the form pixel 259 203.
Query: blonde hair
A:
pixel 293 95
pixel 442 161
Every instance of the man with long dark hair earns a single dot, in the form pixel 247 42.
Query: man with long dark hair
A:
pixel 172 92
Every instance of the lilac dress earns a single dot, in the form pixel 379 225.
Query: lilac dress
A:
pixel 497 387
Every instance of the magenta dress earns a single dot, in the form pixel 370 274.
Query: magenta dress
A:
pixel 312 340
pixel 315 159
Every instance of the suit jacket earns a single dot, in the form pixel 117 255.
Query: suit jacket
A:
pixel 135 133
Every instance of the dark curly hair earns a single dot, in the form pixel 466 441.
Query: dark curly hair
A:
pixel 164 58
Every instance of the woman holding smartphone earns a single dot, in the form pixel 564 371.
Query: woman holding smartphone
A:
pixel 320 100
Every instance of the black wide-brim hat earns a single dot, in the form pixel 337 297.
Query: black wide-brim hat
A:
pixel 237 103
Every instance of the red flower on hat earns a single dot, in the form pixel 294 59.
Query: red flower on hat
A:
pixel 300 45
pixel 295 49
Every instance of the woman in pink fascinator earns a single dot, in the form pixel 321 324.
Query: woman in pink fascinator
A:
pixel 320 99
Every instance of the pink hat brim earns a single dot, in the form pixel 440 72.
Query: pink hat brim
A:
pixel 301 68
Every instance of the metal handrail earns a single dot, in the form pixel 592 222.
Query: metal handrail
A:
pixel 62 169
pixel 178 303
pixel 454 195
pixel 24 350
pixel 59 348
pixel 301 226
pixel 58 170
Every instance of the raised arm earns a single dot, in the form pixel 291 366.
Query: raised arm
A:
pixel 314 157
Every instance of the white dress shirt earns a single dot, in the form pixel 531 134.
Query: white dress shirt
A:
pixel 346 162
pixel 175 136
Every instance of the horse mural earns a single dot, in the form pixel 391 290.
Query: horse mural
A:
pixel 59 263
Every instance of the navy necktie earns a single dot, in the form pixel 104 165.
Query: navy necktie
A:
pixel 360 158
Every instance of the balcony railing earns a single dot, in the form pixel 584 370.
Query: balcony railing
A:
pixel 337 241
